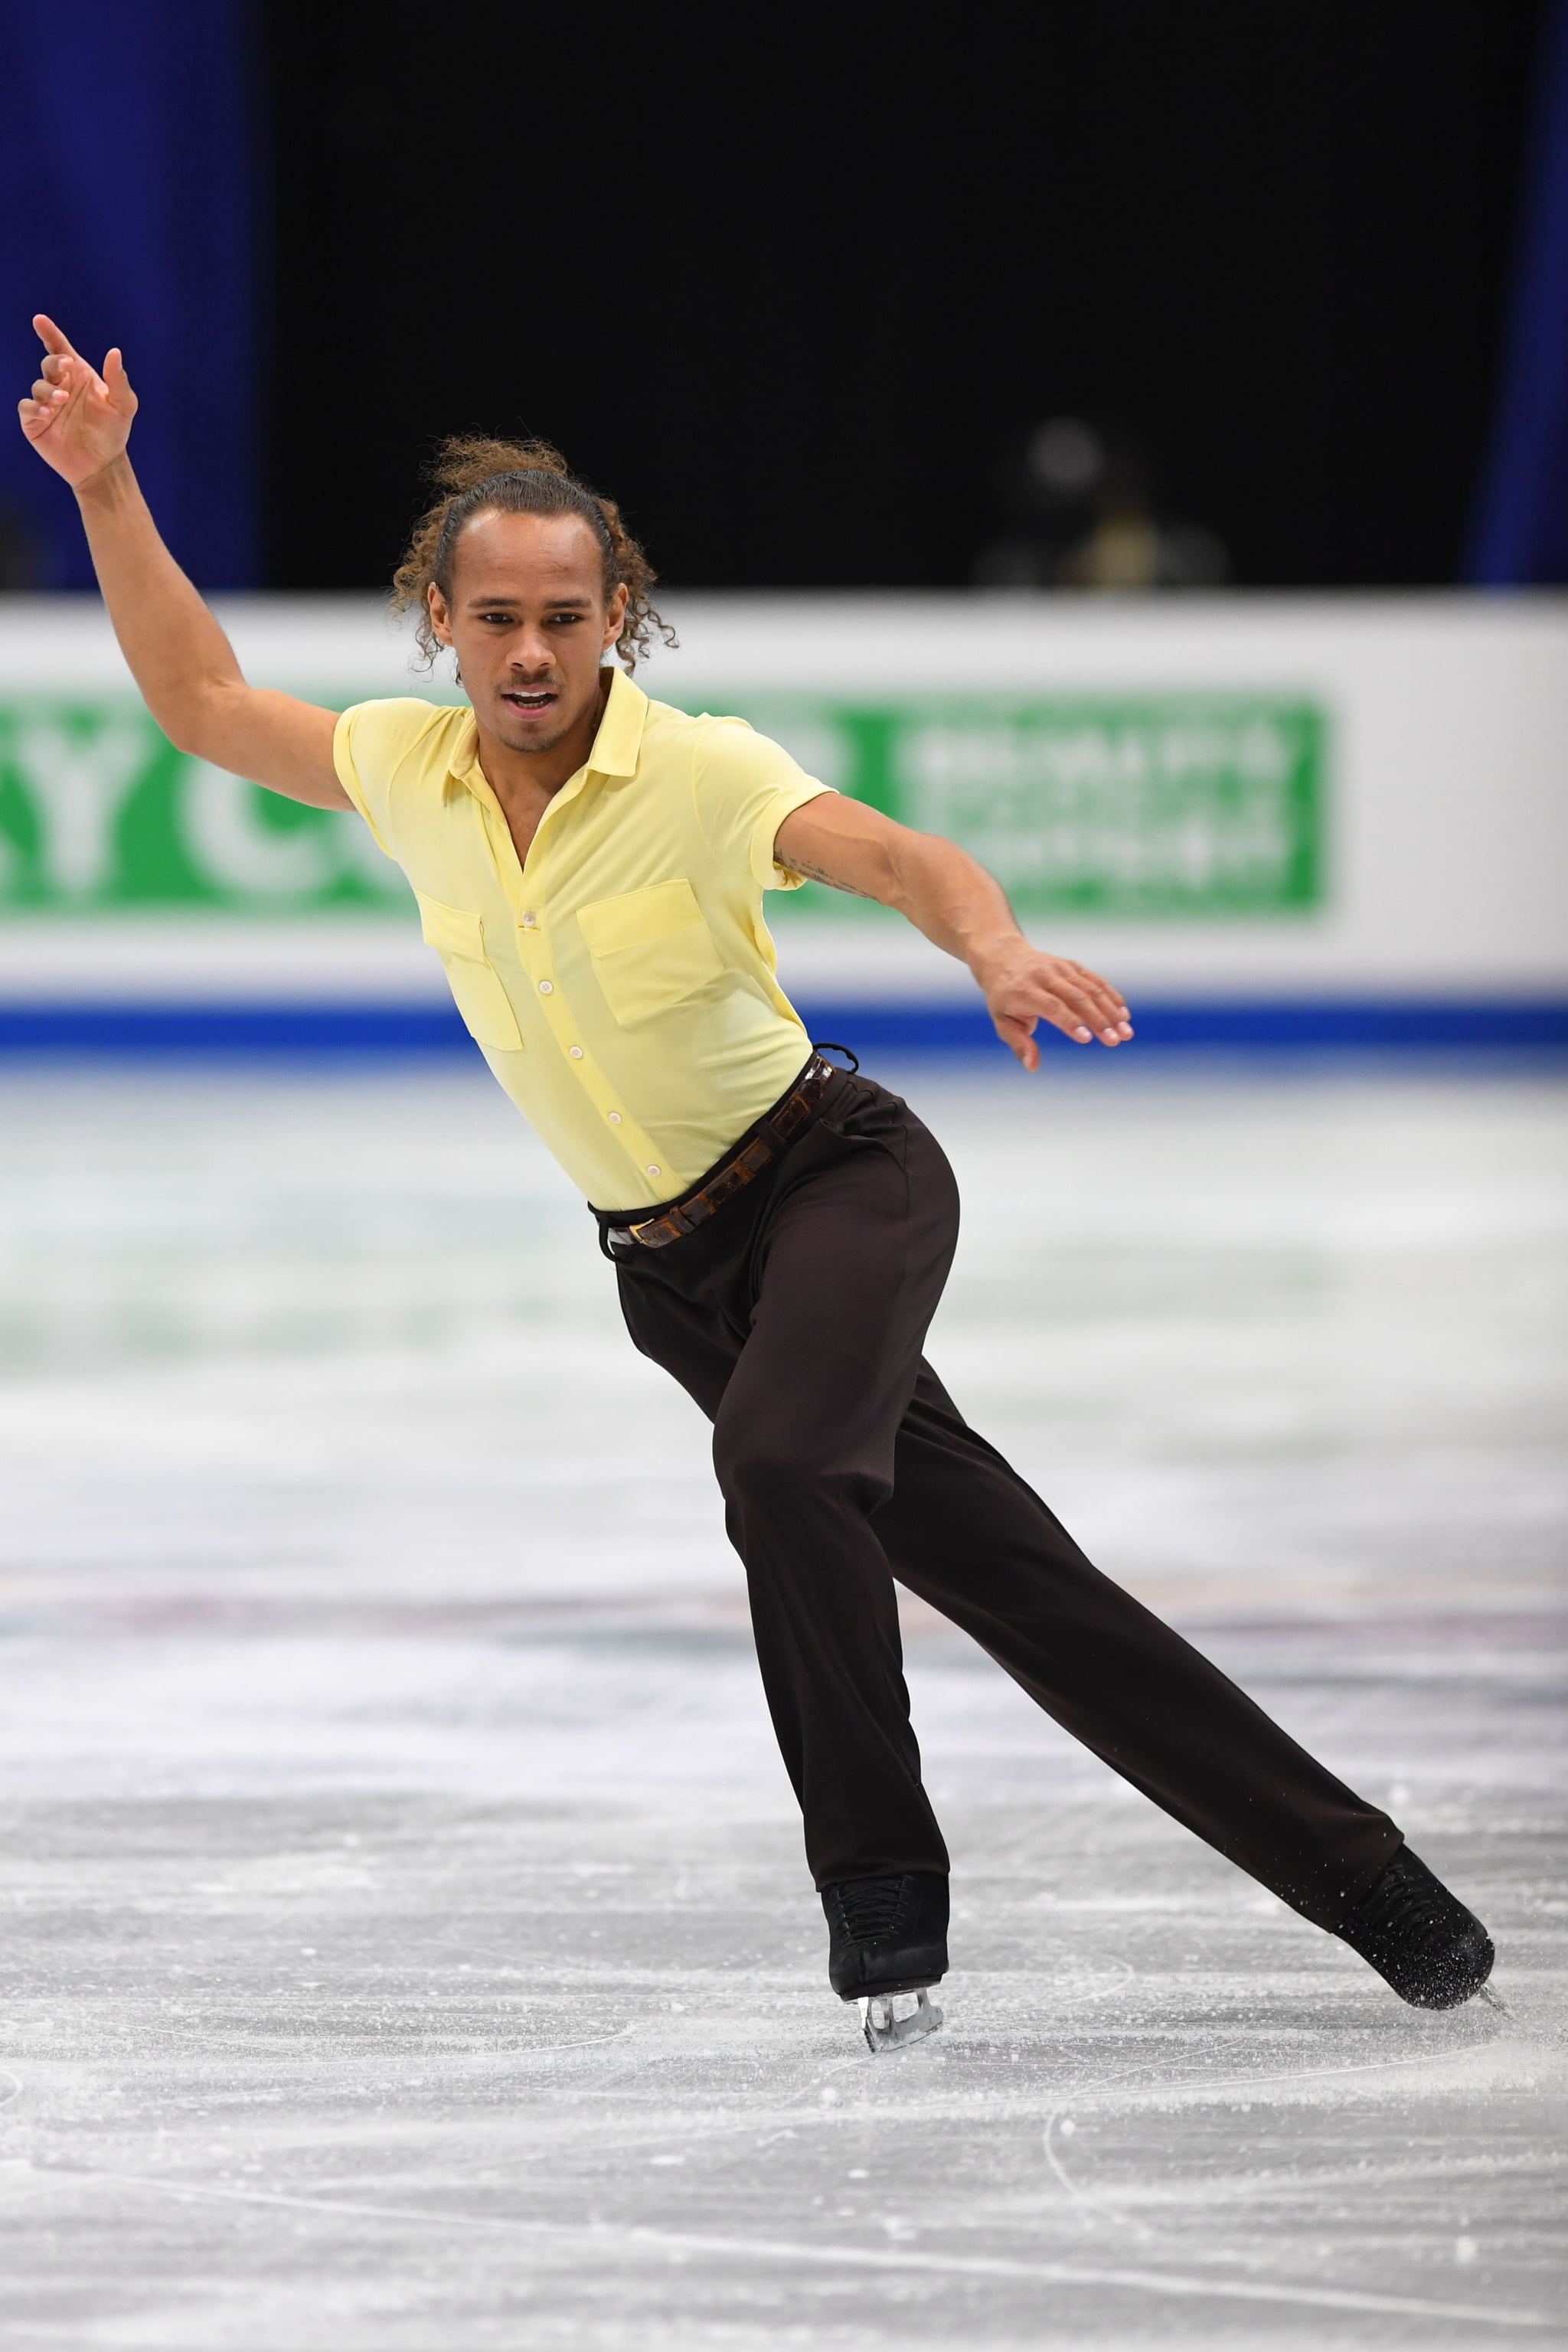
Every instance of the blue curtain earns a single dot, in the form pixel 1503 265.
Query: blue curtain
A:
pixel 127 178
pixel 1522 528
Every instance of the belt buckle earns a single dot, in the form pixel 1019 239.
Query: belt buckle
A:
pixel 649 1226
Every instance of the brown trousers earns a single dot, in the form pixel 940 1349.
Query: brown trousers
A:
pixel 795 1320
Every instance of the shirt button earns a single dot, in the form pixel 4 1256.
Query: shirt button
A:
pixel 614 1118
pixel 655 1172
pixel 576 1052
pixel 528 922
pixel 547 988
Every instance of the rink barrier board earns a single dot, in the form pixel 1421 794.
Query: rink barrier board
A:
pixel 1226 798
pixel 383 1032
pixel 1205 805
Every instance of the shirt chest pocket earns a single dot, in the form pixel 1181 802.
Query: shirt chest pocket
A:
pixel 458 939
pixel 650 948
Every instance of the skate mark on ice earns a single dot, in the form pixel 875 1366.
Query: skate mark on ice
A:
pixel 597 2238
pixel 10 2087
pixel 1074 1984
pixel 1108 2090
pixel 1090 2204
pixel 1075 1988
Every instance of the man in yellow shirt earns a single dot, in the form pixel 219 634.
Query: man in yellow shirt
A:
pixel 590 866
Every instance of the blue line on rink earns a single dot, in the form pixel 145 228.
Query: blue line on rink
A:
pixel 1264 1025
pixel 344 1029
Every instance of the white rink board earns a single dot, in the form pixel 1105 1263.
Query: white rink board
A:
pixel 1447 768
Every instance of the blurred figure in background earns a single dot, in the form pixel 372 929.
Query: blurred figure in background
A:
pixel 1080 515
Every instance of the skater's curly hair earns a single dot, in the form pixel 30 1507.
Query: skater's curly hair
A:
pixel 477 476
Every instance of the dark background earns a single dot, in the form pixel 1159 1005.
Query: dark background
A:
pixel 790 284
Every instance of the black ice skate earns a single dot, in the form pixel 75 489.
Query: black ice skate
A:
pixel 887 1945
pixel 1408 1926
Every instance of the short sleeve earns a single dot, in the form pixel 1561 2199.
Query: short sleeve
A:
pixel 745 787
pixel 369 741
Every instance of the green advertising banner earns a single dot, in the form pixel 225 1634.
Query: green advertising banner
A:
pixel 1120 804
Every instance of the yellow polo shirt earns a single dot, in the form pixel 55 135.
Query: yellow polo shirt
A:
pixel 621 982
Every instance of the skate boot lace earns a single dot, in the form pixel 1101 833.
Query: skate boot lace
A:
pixel 870 1905
pixel 1407 1909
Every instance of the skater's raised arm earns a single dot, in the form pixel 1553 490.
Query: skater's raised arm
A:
pixel 79 421
pixel 953 900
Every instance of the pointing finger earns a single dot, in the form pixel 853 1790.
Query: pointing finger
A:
pixel 52 338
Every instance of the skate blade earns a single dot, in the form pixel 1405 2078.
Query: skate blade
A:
pixel 891 2021
pixel 1494 2000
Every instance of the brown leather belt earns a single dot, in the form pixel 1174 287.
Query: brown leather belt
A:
pixel 767 1142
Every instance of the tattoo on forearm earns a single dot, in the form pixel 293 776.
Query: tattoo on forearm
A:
pixel 819 874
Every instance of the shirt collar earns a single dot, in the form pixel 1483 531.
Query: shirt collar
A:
pixel 617 745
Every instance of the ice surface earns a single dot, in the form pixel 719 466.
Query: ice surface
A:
pixel 405 1939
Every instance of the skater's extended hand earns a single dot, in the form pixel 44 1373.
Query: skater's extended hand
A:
pixel 77 420
pixel 953 900
pixel 1024 986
